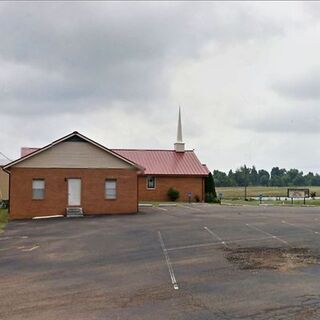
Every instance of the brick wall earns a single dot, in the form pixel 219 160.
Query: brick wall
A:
pixel 92 194
pixel 182 184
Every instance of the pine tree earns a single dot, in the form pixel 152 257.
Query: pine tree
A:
pixel 210 188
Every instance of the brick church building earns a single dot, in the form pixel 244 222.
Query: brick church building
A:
pixel 77 172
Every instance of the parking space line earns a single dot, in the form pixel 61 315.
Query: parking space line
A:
pixel 191 246
pixel 216 236
pixel 302 228
pixel 269 234
pixel 4 238
pixel 169 265
pixel 163 209
pixel 30 249
pixel 209 244
pixel 191 208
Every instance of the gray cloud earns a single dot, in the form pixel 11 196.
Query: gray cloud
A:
pixel 296 120
pixel 116 71
pixel 305 87
pixel 78 54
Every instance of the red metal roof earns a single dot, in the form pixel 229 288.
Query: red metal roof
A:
pixel 158 162
pixel 166 162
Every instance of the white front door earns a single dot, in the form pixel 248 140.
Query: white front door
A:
pixel 74 192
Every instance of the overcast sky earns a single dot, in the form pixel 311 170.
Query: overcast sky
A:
pixel 247 77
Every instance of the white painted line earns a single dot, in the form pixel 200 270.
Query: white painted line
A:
pixel 163 209
pixel 216 236
pixel 167 205
pixel 212 244
pixel 30 249
pixel 191 208
pixel 302 228
pixel 165 253
pixel 192 246
pixel 5 238
pixel 145 205
pixel 48 217
pixel 269 234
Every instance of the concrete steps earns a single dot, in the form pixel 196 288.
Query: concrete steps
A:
pixel 74 212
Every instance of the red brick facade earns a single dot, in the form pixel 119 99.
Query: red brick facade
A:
pixel 55 200
pixel 183 184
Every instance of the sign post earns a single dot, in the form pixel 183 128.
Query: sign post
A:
pixel 220 196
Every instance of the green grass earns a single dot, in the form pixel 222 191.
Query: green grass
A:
pixel 3 218
pixel 272 202
pixel 238 192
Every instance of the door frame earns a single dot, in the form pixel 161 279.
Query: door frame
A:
pixel 80 197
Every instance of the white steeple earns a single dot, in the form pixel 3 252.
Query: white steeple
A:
pixel 179 145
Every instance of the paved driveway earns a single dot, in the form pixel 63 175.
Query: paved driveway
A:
pixel 186 262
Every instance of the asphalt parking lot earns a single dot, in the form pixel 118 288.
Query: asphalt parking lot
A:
pixel 185 262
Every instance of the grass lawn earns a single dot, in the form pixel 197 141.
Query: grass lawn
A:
pixel 238 192
pixel 3 218
pixel 271 202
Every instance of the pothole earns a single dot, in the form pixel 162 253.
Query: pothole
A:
pixel 281 259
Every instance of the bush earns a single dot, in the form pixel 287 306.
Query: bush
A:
pixel 197 198
pixel 173 194
pixel 210 198
pixel 4 204
pixel 313 194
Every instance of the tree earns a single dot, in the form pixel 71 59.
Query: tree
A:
pixel 209 185
pixel 231 178
pixel 264 178
pixel 308 178
pixel 241 176
pixel 221 179
pixel 254 177
pixel 210 189
pixel 277 177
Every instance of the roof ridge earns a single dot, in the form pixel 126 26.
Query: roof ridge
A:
pixel 171 150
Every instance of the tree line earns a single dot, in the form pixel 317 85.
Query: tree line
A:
pixel 246 176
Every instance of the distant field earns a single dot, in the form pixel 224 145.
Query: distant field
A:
pixel 238 192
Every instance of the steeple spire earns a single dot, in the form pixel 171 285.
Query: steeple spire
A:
pixel 179 133
pixel 179 145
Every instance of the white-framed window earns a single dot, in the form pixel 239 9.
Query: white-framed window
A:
pixel 38 187
pixel 110 189
pixel 151 182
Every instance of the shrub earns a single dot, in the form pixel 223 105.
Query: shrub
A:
pixel 4 204
pixel 313 194
pixel 173 194
pixel 210 198
pixel 197 198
